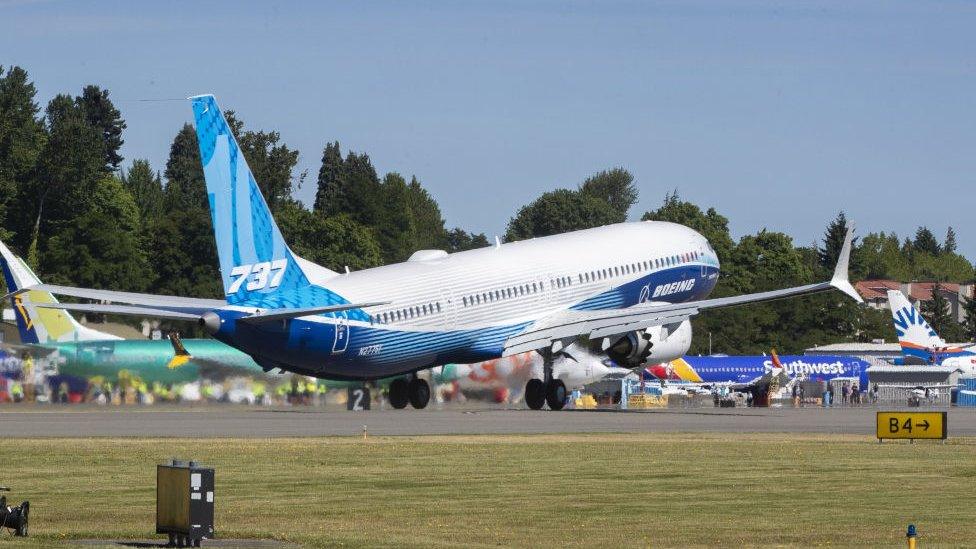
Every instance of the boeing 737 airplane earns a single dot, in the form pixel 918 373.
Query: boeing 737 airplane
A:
pixel 629 287
pixel 920 342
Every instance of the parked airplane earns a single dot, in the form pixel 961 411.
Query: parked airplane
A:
pixel 80 351
pixel 747 369
pixel 632 287
pixel 920 342
pixel 508 375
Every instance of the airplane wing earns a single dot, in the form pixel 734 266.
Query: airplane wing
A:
pixel 554 331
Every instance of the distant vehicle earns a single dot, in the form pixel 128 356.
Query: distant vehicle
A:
pixel 55 339
pixel 631 288
pixel 746 370
pixel 922 394
pixel 920 343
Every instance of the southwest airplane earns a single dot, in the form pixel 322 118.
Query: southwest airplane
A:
pixel 744 370
pixel 83 352
pixel 920 342
pixel 630 288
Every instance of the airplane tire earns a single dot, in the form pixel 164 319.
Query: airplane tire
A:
pixel 399 393
pixel 535 394
pixel 556 394
pixel 419 391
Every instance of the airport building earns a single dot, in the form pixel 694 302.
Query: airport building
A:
pixel 875 293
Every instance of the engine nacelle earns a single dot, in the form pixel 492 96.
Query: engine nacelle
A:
pixel 655 344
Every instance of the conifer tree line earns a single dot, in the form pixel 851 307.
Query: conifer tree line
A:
pixel 83 215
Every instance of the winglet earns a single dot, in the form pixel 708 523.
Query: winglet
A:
pixel 840 279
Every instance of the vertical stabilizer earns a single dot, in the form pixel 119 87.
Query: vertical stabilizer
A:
pixel 915 335
pixel 257 267
pixel 38 324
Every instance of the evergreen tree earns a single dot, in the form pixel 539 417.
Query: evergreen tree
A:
pixel 186 188
pixel 428 225
pixel 393 221
pixel 334 242
pixel 146 188
pixel 182 250
pixel 969 324
pixel 22 138
pixel 950 241
pixel 330 183
pixel 361 196
pixel 833 241
pixel 272 163
pixel 925 242
pixel 69 168
pixel 937 312
pixel 459 240
pixel 101 247
pixel 102 115
pixel 615 187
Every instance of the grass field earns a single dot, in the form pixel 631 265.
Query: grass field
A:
pixel 553 490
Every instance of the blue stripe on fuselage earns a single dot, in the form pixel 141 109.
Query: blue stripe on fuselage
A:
pixel 376 351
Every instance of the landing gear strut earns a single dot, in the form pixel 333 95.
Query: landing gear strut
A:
pixel 549 390
pixel 416 392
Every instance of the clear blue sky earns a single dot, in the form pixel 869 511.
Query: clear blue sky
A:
pixel 779 114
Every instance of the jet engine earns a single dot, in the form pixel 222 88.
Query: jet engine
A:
pixel 655 344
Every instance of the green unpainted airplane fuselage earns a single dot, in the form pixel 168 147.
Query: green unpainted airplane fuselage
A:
pixel 149 360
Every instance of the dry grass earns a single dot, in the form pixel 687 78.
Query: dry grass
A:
pixel 555 490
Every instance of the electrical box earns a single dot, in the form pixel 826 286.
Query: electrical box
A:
pixel 185 502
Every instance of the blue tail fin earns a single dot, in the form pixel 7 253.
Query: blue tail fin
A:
pixel 257 267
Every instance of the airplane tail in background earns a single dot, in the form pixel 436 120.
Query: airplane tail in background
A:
pixel 37 324
pixel 257 267
pixel 915 335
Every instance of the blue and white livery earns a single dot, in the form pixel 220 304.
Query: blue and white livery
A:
pixel 628 288
pixel 920 342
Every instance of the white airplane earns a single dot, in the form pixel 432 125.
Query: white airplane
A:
pixel 630 288
pixel 920 342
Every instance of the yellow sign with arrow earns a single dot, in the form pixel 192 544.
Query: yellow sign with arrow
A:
pixel 912 425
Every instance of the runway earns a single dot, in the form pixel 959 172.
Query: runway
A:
pixel 253 422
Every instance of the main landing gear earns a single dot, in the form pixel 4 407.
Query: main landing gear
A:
pixel 551 391
pixel 416 391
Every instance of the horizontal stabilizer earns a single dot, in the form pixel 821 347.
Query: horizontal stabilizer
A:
pixel 149 300
pixel 286 314
pixel 120 310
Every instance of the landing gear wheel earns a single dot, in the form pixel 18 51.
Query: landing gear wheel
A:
pixel 556 394
pixel 24 515
pixel 419 393
pixel 535 394
pixel 399 393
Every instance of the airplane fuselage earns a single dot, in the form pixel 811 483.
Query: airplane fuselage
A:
pixel 462 307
